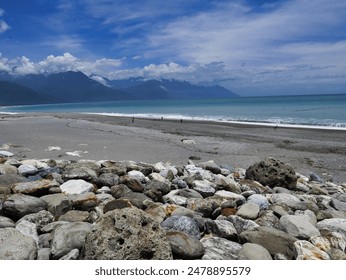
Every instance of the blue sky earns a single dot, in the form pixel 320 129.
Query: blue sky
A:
pixel 251 47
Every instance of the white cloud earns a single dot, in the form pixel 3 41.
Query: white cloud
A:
pixel 56 64
pixel 3 25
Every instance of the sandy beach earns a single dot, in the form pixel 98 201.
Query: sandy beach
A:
pixel 82 136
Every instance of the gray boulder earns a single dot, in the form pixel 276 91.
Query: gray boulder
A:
pixel 252 251
pixel 67 237
pixel 19 205
pixel 58 204
pixel 334 224
pixel 275 241
pixel 6 222
pixel 182 223
pixel 127 234
pixel 298 226
pixel 34 188
pixel 156 190
pixel 273 173
pixel 248 211
pixel 184 246
pixel 14 245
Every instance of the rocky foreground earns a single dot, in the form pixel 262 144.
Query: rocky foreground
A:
pixel 60 209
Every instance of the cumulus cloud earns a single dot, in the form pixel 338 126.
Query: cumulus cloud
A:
pixel 56 64
pixel 3 25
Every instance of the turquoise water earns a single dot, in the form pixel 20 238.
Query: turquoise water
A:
pixel 316 110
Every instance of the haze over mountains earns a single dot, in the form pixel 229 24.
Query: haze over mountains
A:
pixel 71 87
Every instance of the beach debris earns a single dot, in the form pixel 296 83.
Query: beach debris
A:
pixel 53 148
pixel 188 141
pixel 76 153
pixel 88 209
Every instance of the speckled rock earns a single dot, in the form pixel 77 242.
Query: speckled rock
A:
pixel 217 248
pixel 14 245
pixel 127 233
pixel 304 250
pixel 273 173
pixel 182 223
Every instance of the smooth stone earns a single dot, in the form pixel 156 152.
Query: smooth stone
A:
pixel 14 245
pixel 249 211
pixel 182 223
pixel 217 248
pixel 75 216
pixel 76 187
pixel 274 240
pixel 127 234
pixel 6 154
pixel 133 184
pixel 27 169
pixel 184 246
pixel 72 255
pixel 116 204
pixel 334 224
pixel 204 206
pixel 252 251
pixel 173 197
pixel 67 237
pixel 120 191
pixel 156 190
pixel 298 226
pixel 43 254
pixel 341 197
pixel 85 202
pixel 157 211
pixel 289 200
pixel 309 214
pixel 338 205
pixel 6 222
pixel 7 169
pixel 260 200
pixel 227 183
pixel 211 166
pixel 304 250
pixel 107 180
pixel 137 175
pixel 58 204
pixel 138 199
pixel 204 187
pixel 34 188
pixel 82 173
pixel 19 205
pixel 239 199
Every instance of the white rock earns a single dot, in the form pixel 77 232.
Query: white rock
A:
pixel 230 196
pixel 6 154
pixel 298 226
pixel 28 229
pixel 304 250
pixel 137 175
pixel 334 224
pixel 27 169
pixel 38 164
pixel 76 187
pixel 204 187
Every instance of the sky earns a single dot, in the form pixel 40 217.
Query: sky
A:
pixel 252 47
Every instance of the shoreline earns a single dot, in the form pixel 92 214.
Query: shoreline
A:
pixel 91 136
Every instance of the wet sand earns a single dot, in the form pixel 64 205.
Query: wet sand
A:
pixel 82 136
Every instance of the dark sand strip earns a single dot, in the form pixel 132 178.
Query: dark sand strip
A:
pixel 118 138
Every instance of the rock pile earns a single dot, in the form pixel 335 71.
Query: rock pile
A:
pixel 59 209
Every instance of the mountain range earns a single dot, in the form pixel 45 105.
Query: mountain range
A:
pixel 74 86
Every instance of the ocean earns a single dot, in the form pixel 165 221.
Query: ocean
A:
pixel 323 111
